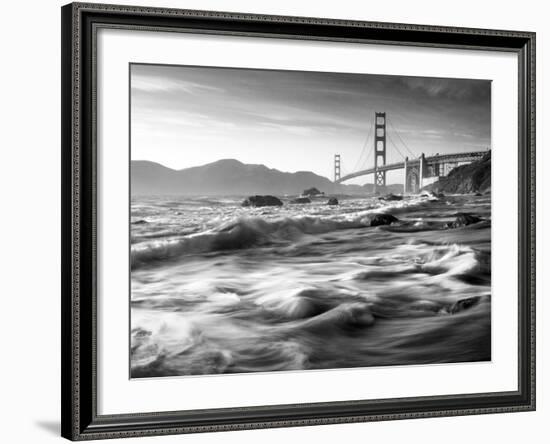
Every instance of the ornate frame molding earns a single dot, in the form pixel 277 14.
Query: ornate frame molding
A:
pixel 80 22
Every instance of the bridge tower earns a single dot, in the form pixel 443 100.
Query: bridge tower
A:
pixel 406 176
pixel 337 168
pixel 379 149
pixel 415 170
pixel 422 172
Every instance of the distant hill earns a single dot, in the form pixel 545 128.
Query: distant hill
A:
pixel 229 177
pixel 471 178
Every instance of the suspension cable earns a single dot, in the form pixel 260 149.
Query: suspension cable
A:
pixel 394 145
pixel 404 144
pixel 363 149
pixel 343 171
pixel 364 164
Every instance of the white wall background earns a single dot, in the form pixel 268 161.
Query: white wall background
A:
pixel 30 221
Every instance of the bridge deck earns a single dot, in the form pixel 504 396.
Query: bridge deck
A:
pixel 437 159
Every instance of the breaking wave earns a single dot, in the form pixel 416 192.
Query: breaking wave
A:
pixel 233 290
pixel 246 232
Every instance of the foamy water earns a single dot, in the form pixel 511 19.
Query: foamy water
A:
pixel 217 288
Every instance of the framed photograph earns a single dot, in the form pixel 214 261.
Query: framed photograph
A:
pixel 280 221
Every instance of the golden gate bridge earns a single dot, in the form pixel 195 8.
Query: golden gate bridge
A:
pixel 415 168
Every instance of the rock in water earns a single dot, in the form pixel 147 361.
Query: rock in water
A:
pixel 300 200
pixel 463 219
pixel 464 304
pixel 382 219
pixel 332 201
pixel 311 192
pixel 262 201
pixel 428 193
pixel 391 196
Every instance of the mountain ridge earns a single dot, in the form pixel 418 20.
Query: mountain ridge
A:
pixel 231 177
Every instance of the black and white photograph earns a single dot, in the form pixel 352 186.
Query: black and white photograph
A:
pixel 272 222
pixel 293 220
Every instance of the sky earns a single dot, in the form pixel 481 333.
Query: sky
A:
pixel 184 116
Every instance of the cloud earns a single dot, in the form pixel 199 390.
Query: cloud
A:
pixel 247 108
pixel 156 84
pixel 454 89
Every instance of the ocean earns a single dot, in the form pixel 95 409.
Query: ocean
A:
pixel 221 288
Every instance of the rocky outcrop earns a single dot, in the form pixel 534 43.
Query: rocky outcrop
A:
pixel 464 304
pixel 382 219
pixel 312 192
pixel 466 179
pixel 391 196
pixel 332 201
pixel 262 201
pixel 431 194
pixel 300 200
pixel 463 219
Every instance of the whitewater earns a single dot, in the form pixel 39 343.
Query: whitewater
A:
pixel 219 288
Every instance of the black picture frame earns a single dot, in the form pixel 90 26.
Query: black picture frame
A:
pixel 80 420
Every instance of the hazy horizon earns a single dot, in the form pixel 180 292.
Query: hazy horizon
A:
pixel 282 171
pixel 291 121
